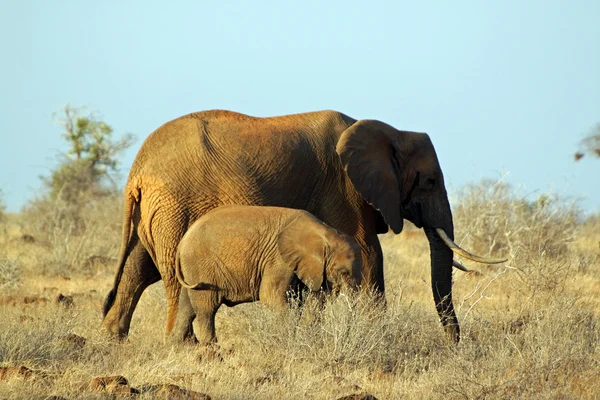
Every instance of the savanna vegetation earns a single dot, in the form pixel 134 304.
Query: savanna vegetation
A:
pixel 530 327
pixel 590 144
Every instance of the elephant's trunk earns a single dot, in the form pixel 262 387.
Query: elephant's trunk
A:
pixel 441 281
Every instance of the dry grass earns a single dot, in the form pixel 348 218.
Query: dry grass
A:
pixel 531 328
pixel 71 238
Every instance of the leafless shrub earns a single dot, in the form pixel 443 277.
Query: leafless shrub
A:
pixel 589 144
pixel 529 327
pixel 74 237
pixel 38 343
pixel 3 217
pixel 10 273
pixel 540 237
pixel 496 219
pixel 347 331
pixel 549 353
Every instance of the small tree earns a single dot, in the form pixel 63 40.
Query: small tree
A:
pixel 89 165
pixel 590 144
pixel 83 183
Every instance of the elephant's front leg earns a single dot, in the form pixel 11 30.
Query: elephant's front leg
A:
pixel 372 254
pixel 139 273
pixel 273 290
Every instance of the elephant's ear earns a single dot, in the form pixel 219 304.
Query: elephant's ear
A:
pixel 302 246
pixel 368 157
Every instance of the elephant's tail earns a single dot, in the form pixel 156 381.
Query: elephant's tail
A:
pixel 129 203
pixel 180 275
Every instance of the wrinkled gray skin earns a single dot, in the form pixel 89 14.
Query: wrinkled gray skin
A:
pixel 238 254
pixel 359 177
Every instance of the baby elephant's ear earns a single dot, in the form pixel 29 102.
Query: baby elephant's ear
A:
pixel 301 246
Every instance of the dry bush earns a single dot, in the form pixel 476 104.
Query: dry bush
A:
pixel 496 219
pixel 348 331
pixel 530 327
pixel 493 219
pixel 10 273
pixel 74 234
pixel 38 340
pixel 348 346
pixel 587 244
pixel 552 354
pixel 3 218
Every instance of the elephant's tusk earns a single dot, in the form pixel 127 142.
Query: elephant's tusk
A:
pixel 458 265
pixel 461 252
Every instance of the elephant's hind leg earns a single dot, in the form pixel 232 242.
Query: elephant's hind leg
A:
pixel 183 329
pixel 167 228
pixel 172 291
pixel 139 273
pixel 205 304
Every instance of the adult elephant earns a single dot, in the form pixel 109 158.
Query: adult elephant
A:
pixel 357 176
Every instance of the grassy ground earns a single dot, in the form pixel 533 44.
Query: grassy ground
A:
pixel 530 328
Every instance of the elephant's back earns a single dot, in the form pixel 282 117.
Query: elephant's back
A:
pixel 200 161
pixel 228 126
pixel 218 148
pixel 236 229
pixel 239 218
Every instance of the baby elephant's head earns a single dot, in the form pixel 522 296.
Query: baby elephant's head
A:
pixel 320 256
pixel 344 264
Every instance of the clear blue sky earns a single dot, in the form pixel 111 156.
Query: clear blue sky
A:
pixel 501 86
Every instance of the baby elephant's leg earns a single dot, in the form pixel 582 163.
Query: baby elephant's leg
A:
pixel 273 290
pixel 205 304
pixel 183 329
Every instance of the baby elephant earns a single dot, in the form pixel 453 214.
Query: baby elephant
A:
pixel 240 254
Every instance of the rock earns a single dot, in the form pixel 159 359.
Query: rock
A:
pixel 358 397
pixel 172 392
pixel 21 372
pixel 27 238
pixel 77 341
pixel 116 385
pixel 34 299
pixel 263 380
pixel 211 352
pixel 345 385
pixel 124 390
pixel 96 261
pixel 8 300
pixel 66 301
pixel 7 373
pixel 102 381
pixel 516 327
pixel 189 378
pixel 25 318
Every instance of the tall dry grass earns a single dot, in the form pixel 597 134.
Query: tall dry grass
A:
pixel 74 235
pixel 530 328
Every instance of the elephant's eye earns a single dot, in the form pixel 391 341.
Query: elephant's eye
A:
pixel 429 182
